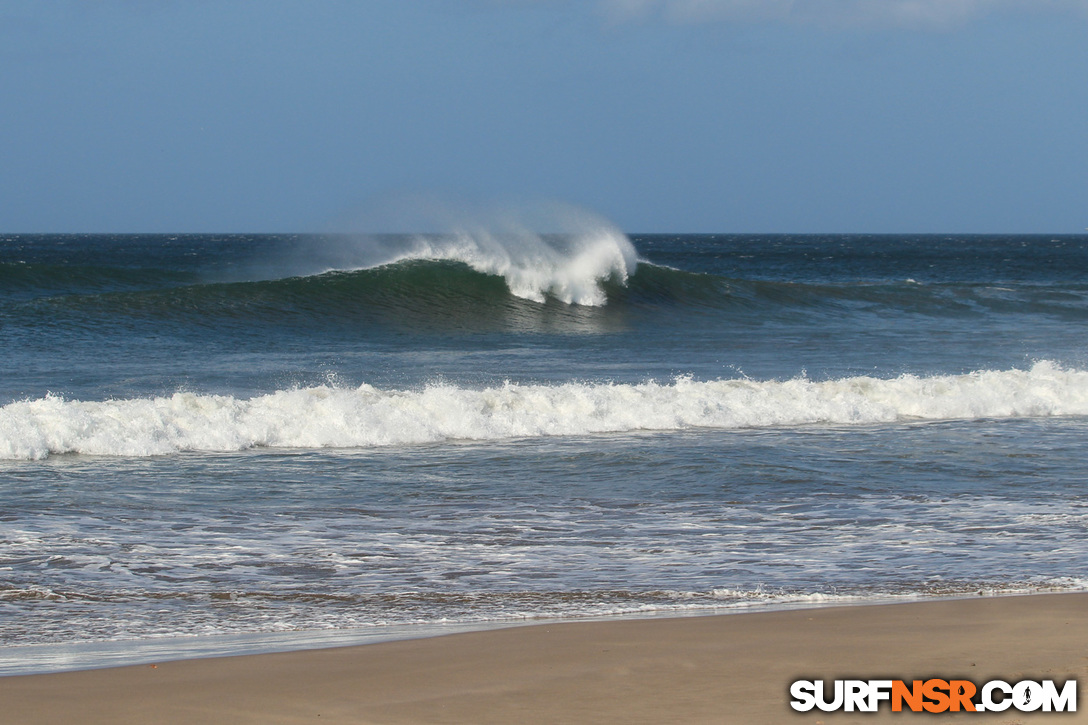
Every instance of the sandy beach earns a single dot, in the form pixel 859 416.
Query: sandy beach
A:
pixel 733 668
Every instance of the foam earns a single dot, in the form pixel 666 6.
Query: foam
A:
pixel 541 250
pixel 569 269
pixel 328 416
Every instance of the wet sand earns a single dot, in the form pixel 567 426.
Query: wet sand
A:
pixel 733 668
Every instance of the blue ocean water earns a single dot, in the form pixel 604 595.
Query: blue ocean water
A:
pixel 213 435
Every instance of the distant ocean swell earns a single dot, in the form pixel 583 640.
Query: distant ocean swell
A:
pixel 328 416
pixel 570 269
pixel 475 279
pixel 434 290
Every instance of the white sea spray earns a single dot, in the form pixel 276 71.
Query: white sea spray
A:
pixel 540 249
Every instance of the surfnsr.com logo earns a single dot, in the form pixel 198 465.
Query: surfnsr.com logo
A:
pixel 934 695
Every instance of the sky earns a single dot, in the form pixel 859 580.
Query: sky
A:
pixel 732 116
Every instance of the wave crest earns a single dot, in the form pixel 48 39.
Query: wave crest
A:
pixel 369 417
pixel 570 269
pixel 541 250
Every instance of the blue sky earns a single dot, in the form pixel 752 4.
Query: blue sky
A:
pixel 661 115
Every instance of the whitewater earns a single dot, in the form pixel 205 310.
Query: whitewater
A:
pixel 365 416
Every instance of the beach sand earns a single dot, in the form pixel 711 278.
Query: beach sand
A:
pixel 733 668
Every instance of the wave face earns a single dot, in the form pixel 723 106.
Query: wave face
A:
pixel 570 269
pixel 540 250
pixel 327 416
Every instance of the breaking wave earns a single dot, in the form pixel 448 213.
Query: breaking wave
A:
pixel 570 269
pixel 327 416
pixel 540 250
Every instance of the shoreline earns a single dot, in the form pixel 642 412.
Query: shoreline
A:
pixel 733 667
pixel 55 658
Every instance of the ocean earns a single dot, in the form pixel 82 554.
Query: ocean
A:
pixel 214 442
